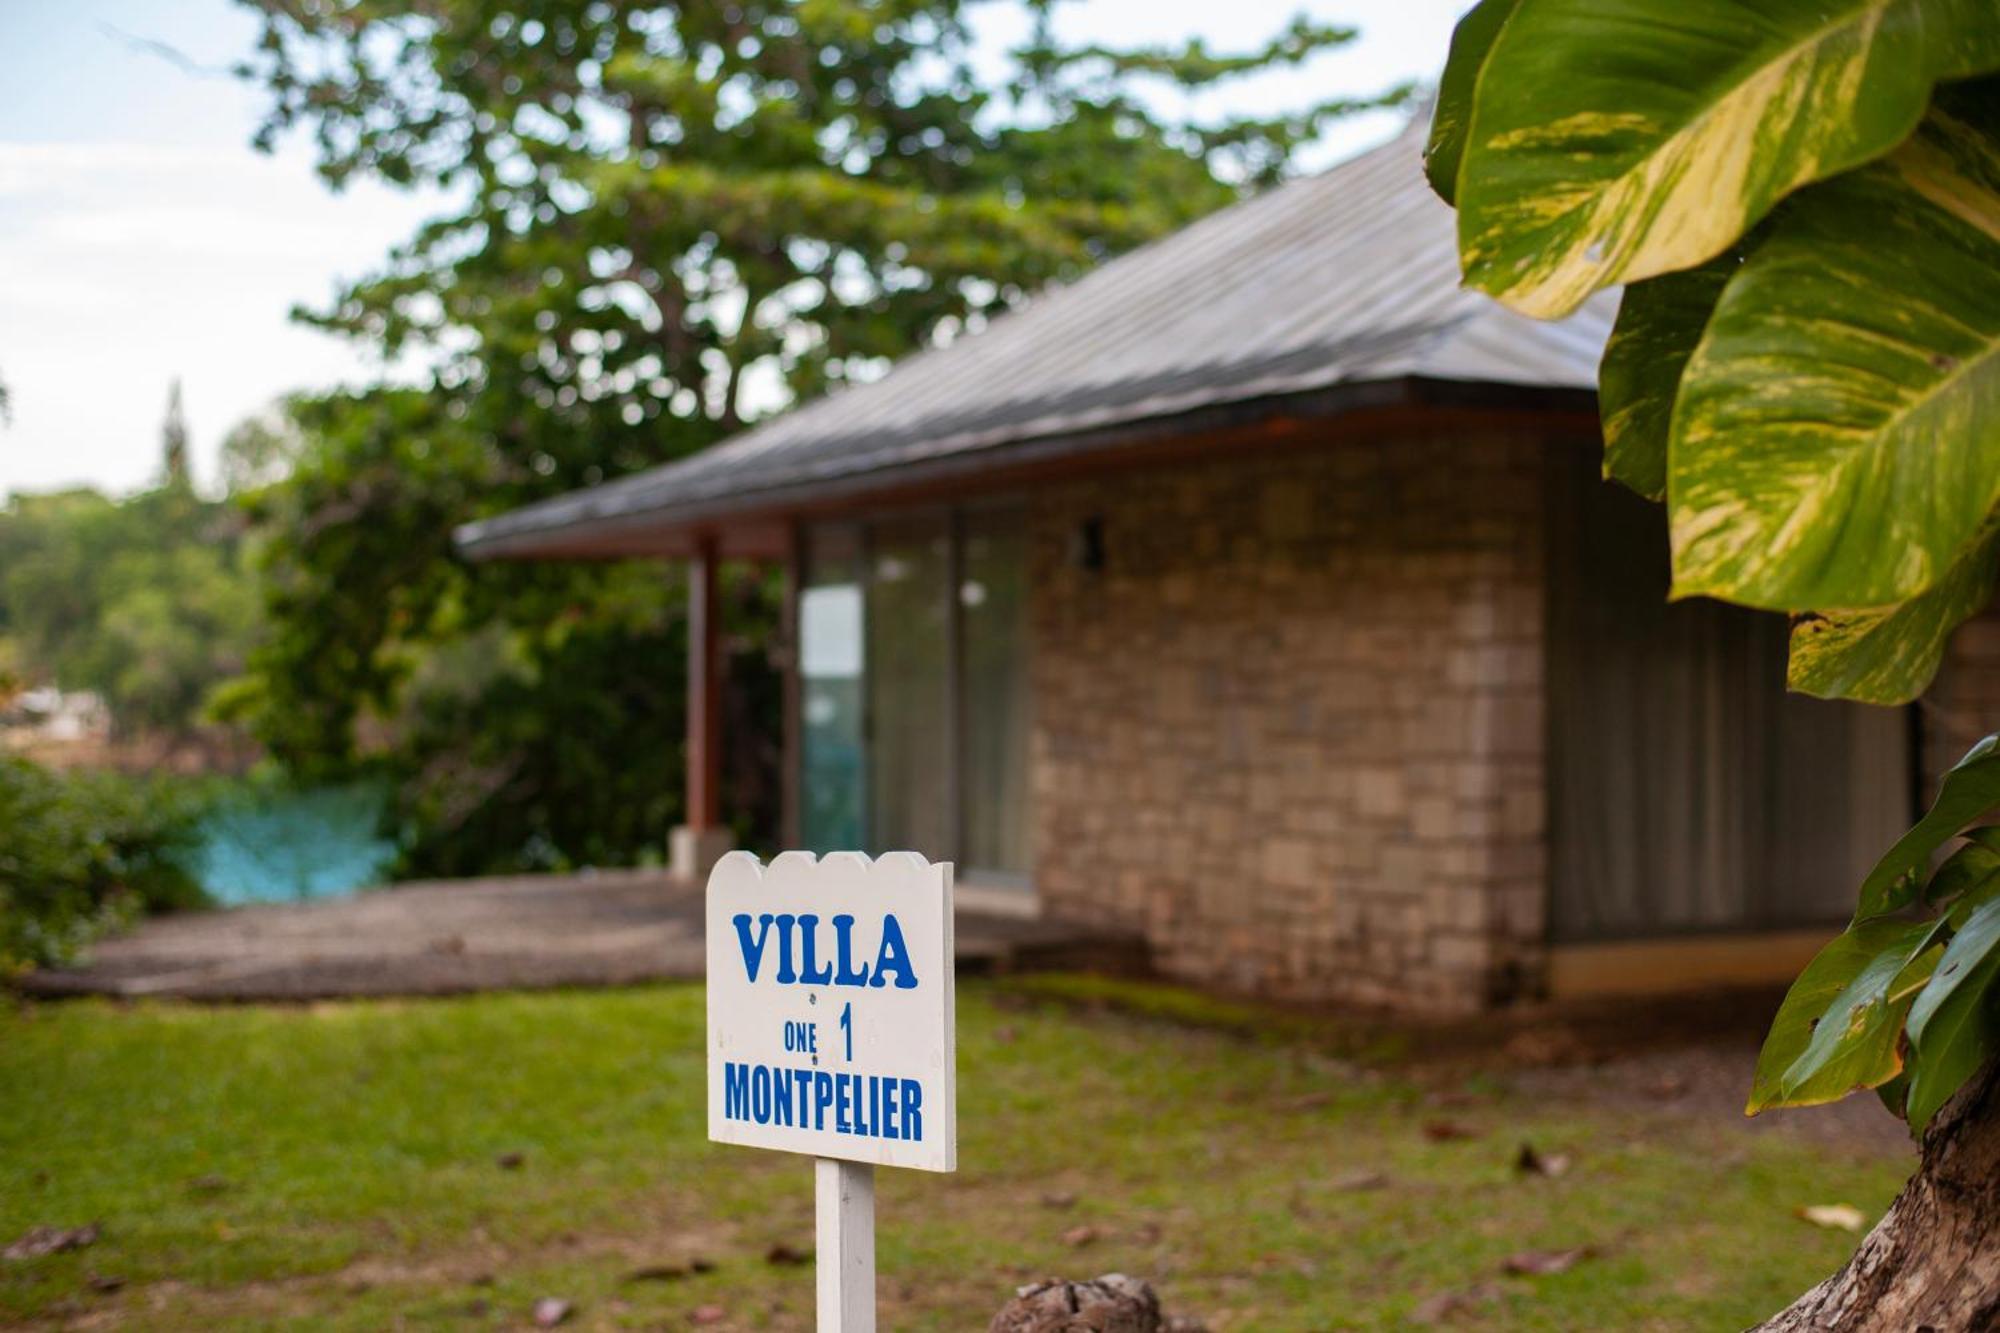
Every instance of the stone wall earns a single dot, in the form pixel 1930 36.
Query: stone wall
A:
pixel 1963 703
pixel 1292 729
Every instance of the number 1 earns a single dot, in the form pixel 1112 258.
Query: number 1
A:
pixel 847 1028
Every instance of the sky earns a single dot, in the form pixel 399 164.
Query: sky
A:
pixel 142 239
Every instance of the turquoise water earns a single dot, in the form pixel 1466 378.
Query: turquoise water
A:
pixel 287 846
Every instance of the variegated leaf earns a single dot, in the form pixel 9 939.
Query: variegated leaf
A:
pixel 1612 140
pixel 1837 1029
pixel 1659 322
pixel 1470 41
pixel 1969 792
pixel 1952 1024
pixel 1836 442
pixel 1889 655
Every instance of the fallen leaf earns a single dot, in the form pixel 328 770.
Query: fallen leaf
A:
pixel 1445 1304
pixel 1078 1237
pixel 784 1256
pixel 1005 1035
pixel 511 1161
pixel 1546 1046
pixel 38 1241
pixel 552 1310
pixel 1307 1101
pixel 1531 1163
pixel 701 1265
pixel 209 1185
pixel 103 1283
pixel 1059 1201
pixel 1448 1131
pixel 658 1273
pixel 1834 1216
pixel 1544 1263
pixel 707 1314
pixel 1362 1180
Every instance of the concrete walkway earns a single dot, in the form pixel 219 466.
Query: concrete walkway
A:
pixel 444 937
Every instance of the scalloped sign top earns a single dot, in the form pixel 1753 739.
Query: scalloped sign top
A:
pixel 831 1020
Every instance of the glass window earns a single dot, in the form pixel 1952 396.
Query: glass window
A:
pixel 993 630
pixel 831 645
pixel 909 687
pixel 913 685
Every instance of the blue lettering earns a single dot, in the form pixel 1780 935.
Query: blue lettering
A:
pixel 895 956
pixel 843 936
pixel 843 1103
pixel 913 1109
pixel 808 947
pixel 735 1091
pixel 822 1098
pixel 753 952
pixel 760 1094
pixel 786 975
pixel 890 1129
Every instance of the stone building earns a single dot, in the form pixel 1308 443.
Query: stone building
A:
pixel 1257 594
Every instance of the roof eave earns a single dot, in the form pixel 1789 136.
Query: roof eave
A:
pixel 755 518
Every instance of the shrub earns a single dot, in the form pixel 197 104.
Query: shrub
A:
pixel 80 852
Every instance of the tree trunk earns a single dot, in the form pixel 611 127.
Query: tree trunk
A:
pixel 1932 1264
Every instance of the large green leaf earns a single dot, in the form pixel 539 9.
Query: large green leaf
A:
pixel 1969 790
pixel 1889 655
pixel 1611 140
pixel 1837 1028
pixel 1968 876
pixel 1836 443
pixel 1952 1023
pixel 1659 322
pixel 1470 41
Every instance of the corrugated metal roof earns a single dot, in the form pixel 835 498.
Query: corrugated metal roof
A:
pixel 1345 278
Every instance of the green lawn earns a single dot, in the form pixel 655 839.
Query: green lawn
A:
pixel 341 1167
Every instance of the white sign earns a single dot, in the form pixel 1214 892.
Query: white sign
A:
pixel 831 1009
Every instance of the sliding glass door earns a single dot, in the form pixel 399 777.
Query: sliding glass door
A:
pixel 993 703
pixel 832 754
pixel 914 688
pixel 909 686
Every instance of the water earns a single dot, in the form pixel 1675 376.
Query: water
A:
pixel 288 846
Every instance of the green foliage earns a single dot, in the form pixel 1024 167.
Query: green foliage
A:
pixel 661 221
pixel 143 600
pixel 83 851
pixel 1805 200
pixel 1611 140
pixel 1904 1000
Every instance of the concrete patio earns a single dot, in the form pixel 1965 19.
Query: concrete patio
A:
pixel 608 928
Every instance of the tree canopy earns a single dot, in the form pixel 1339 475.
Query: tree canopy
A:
pixel 657 222
pixel 144 600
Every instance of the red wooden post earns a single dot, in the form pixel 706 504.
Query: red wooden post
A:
pixel 704 698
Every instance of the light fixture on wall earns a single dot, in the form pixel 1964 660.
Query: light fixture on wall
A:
pixel 1086 545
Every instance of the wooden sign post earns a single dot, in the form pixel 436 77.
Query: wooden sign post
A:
pixel 832 1032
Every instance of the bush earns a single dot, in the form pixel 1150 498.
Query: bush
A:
pixel 80 852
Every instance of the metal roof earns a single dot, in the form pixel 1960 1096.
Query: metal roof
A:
pixel 1347 278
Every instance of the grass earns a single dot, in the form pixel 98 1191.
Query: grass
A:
pixel 341 1167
